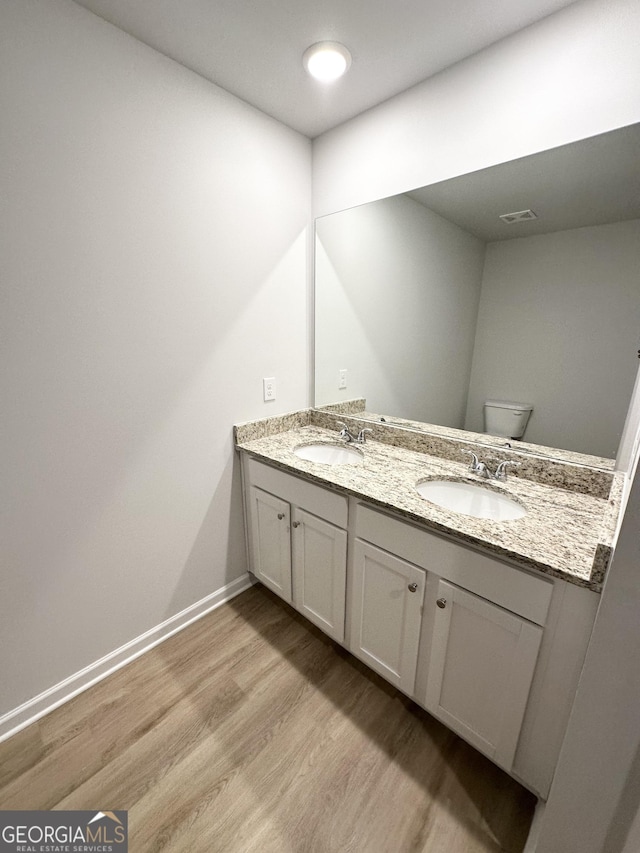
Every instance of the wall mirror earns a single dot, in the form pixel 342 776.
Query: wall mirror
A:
pixel 432 303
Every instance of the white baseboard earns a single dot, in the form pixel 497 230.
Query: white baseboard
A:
pixel 22 716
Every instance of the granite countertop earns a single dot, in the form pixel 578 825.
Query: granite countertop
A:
pixel 564 534
pixel 484 440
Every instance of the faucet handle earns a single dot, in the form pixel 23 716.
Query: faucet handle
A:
pixel 344 432
pixel 501 470
pixel 362 435
pixel 475 462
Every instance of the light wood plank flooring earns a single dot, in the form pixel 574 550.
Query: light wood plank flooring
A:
pixel 251 731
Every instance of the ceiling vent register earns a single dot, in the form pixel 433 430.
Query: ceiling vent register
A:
pixel 518 216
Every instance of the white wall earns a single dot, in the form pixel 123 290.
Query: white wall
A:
pixel 559 317
pixel 595 796
pixel 570 76
pixel 154 268
pixel 632 844
pixel 630 442
pixel 392 280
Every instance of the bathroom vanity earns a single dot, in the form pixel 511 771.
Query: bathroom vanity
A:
pixel 482 622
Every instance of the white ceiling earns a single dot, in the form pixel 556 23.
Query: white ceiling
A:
pixel 592 182
pixel 253 48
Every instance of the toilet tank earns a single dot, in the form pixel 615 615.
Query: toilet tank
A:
pixel 505 418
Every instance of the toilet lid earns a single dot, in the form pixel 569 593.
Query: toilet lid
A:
pixel 506 404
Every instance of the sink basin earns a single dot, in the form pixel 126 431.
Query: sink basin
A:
pixel 471 499
pixel 328 454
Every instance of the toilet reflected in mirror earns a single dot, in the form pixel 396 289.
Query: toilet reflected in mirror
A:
pixel 505 418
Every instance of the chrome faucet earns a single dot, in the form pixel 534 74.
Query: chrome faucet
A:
pixel 348 436
pixel 346 433
pixel 477 467
pixel 501 470
pixel 362 435
pixel 482 470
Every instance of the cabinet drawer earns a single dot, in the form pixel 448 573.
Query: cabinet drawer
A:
pixel 322 502
pixel 509 587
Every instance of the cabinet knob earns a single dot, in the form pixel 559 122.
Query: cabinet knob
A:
pixel 442 603
pixel 412 587
pixel 280 515
pixel 296 524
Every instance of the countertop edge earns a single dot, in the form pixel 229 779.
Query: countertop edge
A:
pixel 594 582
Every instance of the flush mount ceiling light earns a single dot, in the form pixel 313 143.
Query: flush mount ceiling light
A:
pixel 326 60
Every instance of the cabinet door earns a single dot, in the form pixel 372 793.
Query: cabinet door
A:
pixel 387 613
pixel 271 541
pixel 480 672
pixel 319 571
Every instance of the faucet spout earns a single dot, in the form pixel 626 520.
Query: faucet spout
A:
pixel 482 470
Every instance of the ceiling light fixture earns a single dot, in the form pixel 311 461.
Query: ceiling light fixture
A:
pixel 326 60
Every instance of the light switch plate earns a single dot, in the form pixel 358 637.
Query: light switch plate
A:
pixel 342 379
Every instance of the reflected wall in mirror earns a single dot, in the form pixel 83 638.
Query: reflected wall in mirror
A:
pixel 433 304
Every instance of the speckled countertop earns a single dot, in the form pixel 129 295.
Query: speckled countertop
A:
pixel 564 534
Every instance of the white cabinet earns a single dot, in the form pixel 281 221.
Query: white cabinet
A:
pixel 319 572
pixel 271 541
pixel 298 544
pixel 491 650
pixel 480 628
pixel 480 670
pixel 386 612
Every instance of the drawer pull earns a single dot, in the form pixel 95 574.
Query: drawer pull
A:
pixel 412 587
pixel 280 515
pixel 442 603
pixel 296 524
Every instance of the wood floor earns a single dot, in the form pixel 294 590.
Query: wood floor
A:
pixel 251 731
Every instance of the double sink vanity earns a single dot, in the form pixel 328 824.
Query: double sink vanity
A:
pixel 472 591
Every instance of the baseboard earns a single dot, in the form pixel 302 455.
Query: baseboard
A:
pixel 32 710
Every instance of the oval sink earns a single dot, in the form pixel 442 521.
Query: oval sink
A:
pixel 470 499
pixel 328 454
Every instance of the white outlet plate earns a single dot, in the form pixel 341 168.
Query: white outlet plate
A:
pixel 269 389
pixel 342 379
